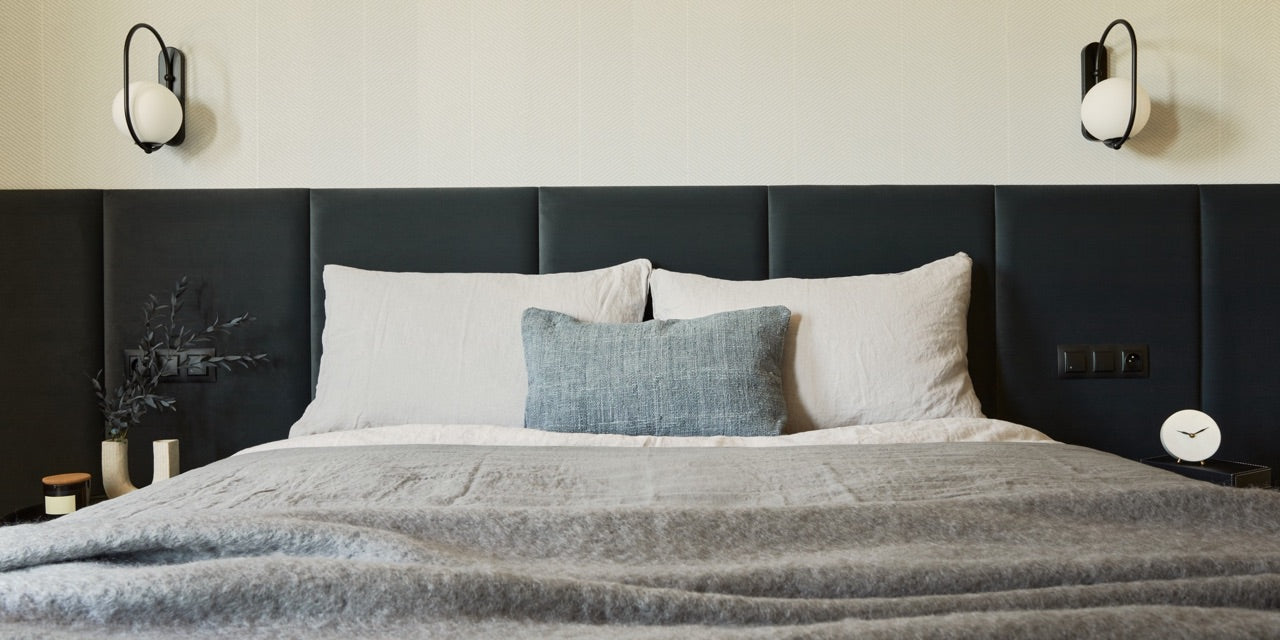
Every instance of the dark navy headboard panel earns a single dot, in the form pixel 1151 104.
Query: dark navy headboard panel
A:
pixel 716 231
pixel 245 250
pixel 1240 234
pixel 1098 265
pixel 822 232
pixel 1188 270
pixel 50 337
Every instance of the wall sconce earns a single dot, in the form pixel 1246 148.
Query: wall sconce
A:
pixel 1111 109
pixel 155 114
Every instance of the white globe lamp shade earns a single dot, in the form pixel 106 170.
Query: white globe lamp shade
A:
pixel 1104 112
pixel 155 111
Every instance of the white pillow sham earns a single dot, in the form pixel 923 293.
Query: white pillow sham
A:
pixel 860 349
pixel 445 347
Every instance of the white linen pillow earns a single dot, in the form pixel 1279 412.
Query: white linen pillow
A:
pixel 860 349
pixel 405 348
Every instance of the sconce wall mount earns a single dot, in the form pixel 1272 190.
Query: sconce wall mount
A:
pixel 1111 109
pixel 156 113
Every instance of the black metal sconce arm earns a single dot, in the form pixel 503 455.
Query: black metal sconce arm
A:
pixel 1093 69
pixel 170 74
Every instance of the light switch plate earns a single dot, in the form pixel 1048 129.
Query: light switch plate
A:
pixel 1103 361
pixel 1073 361
pixel 175 367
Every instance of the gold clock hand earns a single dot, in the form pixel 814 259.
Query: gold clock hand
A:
pixel 1198 432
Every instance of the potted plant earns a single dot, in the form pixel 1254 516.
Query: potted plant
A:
pixel 164 345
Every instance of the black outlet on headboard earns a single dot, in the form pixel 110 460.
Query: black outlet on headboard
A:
pixel 1103 361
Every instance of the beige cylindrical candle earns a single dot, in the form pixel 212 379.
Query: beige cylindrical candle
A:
pixel 65 492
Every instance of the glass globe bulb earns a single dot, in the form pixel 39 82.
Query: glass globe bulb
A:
pixel 155 111
pixel 1105 109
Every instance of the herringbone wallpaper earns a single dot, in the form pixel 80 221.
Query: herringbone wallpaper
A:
pixel 372 93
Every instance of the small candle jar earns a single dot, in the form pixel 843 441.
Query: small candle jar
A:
pixel 65 492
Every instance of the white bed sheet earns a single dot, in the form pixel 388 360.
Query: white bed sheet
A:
pixel 917 431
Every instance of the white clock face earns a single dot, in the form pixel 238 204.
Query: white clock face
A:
pixel 1190 436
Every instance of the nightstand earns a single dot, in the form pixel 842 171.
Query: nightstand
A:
pixel 1224 472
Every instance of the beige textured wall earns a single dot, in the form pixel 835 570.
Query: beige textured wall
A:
pixel 553 92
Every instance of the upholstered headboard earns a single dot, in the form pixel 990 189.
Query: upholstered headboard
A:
pixel 1186 270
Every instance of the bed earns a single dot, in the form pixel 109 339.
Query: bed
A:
pixel 635 451
pixel 438 531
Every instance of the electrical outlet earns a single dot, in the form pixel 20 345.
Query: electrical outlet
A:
pixel 1103 361
pixel 1133 360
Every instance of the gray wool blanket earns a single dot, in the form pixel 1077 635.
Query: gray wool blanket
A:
pixel 972 540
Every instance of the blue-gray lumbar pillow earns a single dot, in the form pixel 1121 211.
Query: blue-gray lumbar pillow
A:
pixel 716 375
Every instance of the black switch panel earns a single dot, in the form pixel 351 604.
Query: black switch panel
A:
pixel 1103 361
pixel 176 365
pixel 1074 361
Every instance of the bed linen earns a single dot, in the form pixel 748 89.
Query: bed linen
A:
pixel 445 347
pixel 1019 539
pixel 914 431
pixel 861 349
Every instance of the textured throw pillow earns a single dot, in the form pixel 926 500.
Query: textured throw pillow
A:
pixel 862 349
pixel 718 375
pixel 402 348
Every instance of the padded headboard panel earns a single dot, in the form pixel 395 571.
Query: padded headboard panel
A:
pixel 716 231
pixel 1240 287
pixel 1098 264
pixel 245 251
pixel 1188 270
pixel 50 336
pixel 822 232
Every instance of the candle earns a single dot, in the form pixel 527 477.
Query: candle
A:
pixel 65 492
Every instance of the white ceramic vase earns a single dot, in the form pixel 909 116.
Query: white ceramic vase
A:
pixel 164 460
pixel 115 468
